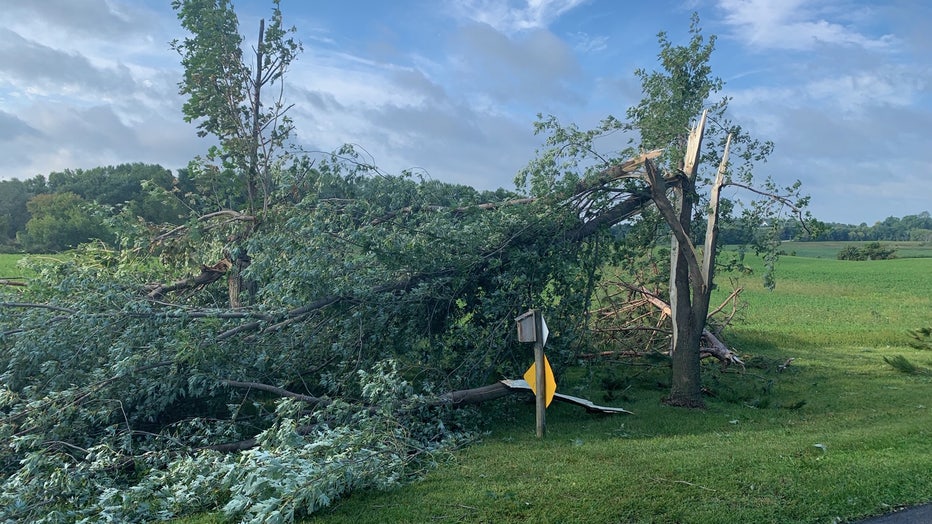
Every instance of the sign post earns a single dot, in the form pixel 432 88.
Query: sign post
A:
pixel 532 328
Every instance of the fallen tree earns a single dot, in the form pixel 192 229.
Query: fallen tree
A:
pixel 354 301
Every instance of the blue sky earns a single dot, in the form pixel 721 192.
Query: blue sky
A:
pixel 451 88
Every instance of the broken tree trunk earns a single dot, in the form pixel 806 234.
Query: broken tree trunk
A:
pixel 457 398
pixel 207 276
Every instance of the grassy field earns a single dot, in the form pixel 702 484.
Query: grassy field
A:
pixel 838 436
pixel 831 249
pixel 8 267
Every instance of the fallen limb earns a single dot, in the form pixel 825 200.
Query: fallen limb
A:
pixel 317 401
pixel 710 346
pixel 207 276
pixel 457 398
pixel 42 306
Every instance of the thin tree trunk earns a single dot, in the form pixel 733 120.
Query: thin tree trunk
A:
pixel 235 281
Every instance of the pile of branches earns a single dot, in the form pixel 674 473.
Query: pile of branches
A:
pixel 633 321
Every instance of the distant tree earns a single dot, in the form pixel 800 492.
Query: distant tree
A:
pixel 144 190
pixel 920 235
pixel 13 212
pixel 869 251
pixel 61 221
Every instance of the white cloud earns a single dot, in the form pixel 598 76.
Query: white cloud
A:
pixel 586 43
pixel 852 93
pixel 510 16
pixel 794 25
pixel 526 68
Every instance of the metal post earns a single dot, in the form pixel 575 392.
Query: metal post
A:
pixel 541 378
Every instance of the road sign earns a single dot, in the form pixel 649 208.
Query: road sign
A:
pixel 544 331
pixel 530 376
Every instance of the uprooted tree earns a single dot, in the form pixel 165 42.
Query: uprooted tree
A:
pixel 133 391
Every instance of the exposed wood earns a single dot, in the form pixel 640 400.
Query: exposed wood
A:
pixel 714 347
pixel 711 345
pixel 693 147
pixel 618 171
pixel 9 282
pixel 711 232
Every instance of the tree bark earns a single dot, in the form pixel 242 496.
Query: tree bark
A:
pixel 685 383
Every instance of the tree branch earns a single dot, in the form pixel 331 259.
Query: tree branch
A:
pixel 43 306
pixel 658 194
pixel 278 391
pixel 233 216
pixel 207 276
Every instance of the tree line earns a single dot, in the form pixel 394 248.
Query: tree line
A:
pixel 916 228
pixel 66 208
pixel 48 214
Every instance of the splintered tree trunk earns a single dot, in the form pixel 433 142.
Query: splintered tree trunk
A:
pixel 686 385
pixel 688 303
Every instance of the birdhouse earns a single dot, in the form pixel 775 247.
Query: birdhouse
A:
pixel 526 329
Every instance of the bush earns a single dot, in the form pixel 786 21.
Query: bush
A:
pixel 871 251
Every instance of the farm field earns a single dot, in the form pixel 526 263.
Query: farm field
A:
pixel 838 436
pixel 831 249
pixel 8 267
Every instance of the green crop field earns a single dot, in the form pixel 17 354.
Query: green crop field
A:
pixel 8 266
pixel 837 436
pixel 831 249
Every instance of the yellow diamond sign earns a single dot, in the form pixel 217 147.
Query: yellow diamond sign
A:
pixel 530 376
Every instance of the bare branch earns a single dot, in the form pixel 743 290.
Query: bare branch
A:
pixel 781 199
pixel 277 390
pixel 234 216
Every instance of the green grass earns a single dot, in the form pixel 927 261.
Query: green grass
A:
pixel 8 266
pixel 839 435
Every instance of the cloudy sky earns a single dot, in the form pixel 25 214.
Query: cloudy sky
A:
pixel 451 88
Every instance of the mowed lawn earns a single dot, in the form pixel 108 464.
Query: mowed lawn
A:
pixel 837 436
